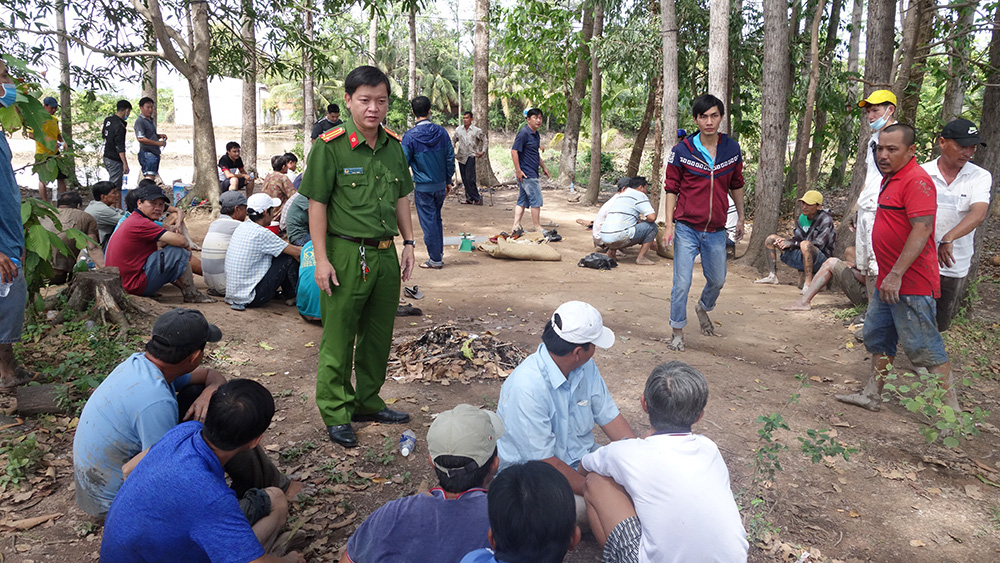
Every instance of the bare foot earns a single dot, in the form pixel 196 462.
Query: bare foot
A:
pixel 198 297
pixel 870 402
pixel 585 223
pixel 706 323
pixel 294 488
pixel 676 343
pixel 771 279
pixel 644 261
pixel 797 306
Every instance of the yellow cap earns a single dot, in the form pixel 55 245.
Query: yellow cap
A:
pixel 878 97
pixel 812 197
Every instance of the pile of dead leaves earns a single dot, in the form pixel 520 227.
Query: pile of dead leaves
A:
pixel 446 353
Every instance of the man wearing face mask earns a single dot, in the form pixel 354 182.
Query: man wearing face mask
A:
pixel 13 297
pixel 880 112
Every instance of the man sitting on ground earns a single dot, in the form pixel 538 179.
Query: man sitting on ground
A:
pixel 72 217
pixel 811 243
pixel 844 272
pixel 295 219
pixel 144 267
pixel 307 293
pixel 176 506
pixel 277 184
pixel 665 497
pixel 143 398
pixel 551 401
pixel 531 517
pixel 232 174
pixel 631 220
pixel 106 208
pixel 452 520
pixel 258 261
pixel 232 213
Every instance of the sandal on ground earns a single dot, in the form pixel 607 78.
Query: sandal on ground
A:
pixel 198 298
pixel 413 292
pixel 21 377
pixel 429 266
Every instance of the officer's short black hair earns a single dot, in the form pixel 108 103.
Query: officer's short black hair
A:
pixel 278 162
pixel 421 106
pixel 102 188
pixel 333 108
pixel 533 112
pixel 146 100
pixel 123 105
pixel 232 145
pixel 365 76
pixel 69 199
pixel 909 133
pixel 704 103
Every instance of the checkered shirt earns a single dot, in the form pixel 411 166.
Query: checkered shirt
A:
pixel 249 257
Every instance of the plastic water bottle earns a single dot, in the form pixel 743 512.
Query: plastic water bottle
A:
pixel 5 286
pixel 572 187
pixel 125 180
pixel 407 442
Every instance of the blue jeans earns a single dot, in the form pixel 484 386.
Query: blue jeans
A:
pixel 428 206
pixel 149 163
pixel 689 243
pixel 911 324
pixel 164 266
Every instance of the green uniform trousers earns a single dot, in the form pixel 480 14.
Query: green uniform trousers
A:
pixel 357 330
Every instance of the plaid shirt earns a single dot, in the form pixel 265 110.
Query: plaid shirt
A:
pixel 278 185
pixel 822 233
pixel 249 257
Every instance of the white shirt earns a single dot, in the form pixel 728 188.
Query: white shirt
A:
pixel 602 214
pixel 629 208
pixel 868 200
pixel 213 251
pixel 680 487
pixel 467 142
pixel 972 185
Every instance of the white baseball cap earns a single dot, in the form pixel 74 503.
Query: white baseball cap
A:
pixel 261 202
pixel 577 322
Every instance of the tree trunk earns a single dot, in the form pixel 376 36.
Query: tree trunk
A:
pixel 819 140
pixel 594 184
pixel 848 124
pixel 647 119
pixel 773 130
pixel 149 65
pixel 907 47
pixel 911 90
pixel 373 37
pixel 656 175
pixel 718 54
pixel 668 30
pixel 100 295
pixel 574 103
pixel 308 84
pixel 248 136
pixel 878 69
pixel 65 98
pixel 412 91
pixel 40 399
pixel 958 53
pixel 481 90
pixel 803 134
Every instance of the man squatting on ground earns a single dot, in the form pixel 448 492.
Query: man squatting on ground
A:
pixel 702 171
pixel 902 311
pixel 811 244
pixel 629 221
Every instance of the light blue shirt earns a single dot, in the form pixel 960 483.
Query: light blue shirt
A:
pixel 704 152
pixel 130 411
pixel 625 212
pixel 546 414
pixel 481 556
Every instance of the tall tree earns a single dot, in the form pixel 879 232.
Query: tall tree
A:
pixel 248 135
pixel 372 37
pixel 959 51
pixel 803 134
pixel 655 91
pixel 594 184
pixel 308 82
pixel 819 131
pixel 773 130
pixel 481 89
pixel 65 90
pixel 412 89
pixel 668 31
pixel 718 54
pixel 574 101
pixel 913 53
pixel 847 125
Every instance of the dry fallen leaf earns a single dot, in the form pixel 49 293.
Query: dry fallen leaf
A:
pixel 29 523
pixel 973 492
pixel 917 543
pixel 309 345
pixel 854 514
pixel 272 447
pixel 933 490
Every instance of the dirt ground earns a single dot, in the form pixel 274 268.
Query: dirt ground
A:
pixel 896 499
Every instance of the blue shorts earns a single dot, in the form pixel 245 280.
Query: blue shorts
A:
pixel 912 323
pixel 793 257
pixel 164 266
pixel 529 193
pixel 149 163
pixel 12 310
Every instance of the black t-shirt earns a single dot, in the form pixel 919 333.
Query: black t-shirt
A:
pixel 322 125
pixel 113 132
pixel 226 163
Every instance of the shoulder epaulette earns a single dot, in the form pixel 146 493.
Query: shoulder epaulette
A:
pixel 392 134
pixel 332 134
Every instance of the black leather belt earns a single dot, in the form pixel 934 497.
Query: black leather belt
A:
pixel 379 244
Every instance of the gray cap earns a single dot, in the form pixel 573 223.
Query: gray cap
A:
pixel 232 199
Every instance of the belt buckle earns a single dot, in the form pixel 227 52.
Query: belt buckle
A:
pixel 383 244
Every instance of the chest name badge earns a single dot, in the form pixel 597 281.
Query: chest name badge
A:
pixel 354 171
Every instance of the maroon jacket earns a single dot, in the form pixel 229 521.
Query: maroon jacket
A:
pixel 702 201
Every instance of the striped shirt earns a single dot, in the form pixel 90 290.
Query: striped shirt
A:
pixel 630 207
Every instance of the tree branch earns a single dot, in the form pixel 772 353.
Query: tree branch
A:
pixel 84 44
pixel 164 34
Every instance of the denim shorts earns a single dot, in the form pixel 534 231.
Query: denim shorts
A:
pixel 530 193
pixel 149 163
pixel 12 310
pixel 911 323
pixel 164 266
pixel 644 232
pixel 793 258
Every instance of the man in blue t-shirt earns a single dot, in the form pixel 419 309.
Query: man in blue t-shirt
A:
pixel 449 521
pixel 176 506
pixel 527 161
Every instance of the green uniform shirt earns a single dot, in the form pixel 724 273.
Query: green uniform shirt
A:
pixel 359 185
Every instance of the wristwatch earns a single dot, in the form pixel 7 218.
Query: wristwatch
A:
pixel 412 243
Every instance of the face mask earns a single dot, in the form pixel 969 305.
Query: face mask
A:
pixel 9 95
pixel 804 222
pixel 879 123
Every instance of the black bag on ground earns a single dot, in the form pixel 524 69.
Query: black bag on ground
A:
pixel 597 261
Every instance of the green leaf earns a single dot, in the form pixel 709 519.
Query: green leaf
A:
pixel 60 245
pixel 37 241
pixel 25 211
pixel 951 442
pixel 79 238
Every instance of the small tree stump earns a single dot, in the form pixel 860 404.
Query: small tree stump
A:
pixel 104 288
pixel 39 399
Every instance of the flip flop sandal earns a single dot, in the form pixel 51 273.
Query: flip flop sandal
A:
pixel 428 266
pixel 413 292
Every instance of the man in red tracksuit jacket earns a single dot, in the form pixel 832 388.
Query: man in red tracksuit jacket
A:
pixel 702 171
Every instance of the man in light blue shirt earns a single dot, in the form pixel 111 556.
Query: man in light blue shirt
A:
pixel 550 402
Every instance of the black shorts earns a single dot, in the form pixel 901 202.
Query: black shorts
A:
pixel 224 184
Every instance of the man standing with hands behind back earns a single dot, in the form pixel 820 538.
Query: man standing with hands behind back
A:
pixel 357 181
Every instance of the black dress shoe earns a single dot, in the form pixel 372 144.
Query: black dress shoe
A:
pixel 343 434
pixel 386 415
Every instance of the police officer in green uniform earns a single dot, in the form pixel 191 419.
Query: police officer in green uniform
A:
pixel 357 181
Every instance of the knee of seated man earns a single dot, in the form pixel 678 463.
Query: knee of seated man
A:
pixel 807 246
pixel 279 503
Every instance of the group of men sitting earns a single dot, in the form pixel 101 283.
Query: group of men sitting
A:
pixel 157 437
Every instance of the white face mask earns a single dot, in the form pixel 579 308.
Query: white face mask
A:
pixel 879 123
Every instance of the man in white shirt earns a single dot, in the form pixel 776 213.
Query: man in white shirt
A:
pixel 631 220
pixel 963 200
pixel 213 249
pixel 470 144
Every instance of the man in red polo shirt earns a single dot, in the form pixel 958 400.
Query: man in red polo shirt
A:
pixel 903 310
pixel 135 250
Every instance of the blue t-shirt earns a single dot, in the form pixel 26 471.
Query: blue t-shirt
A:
pixel 307 295
pixel 526 144
pixel 175 506
pixel 423 528
pixel 130 411
pixel 11 232
pixel 484 555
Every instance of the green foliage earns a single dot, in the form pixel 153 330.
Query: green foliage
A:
pixel 607 163
pixel 298 451
pixel 40 245
pixel 850 312
pixel 22 455
pixel 386 455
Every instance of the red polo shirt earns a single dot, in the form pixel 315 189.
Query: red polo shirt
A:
pixel 906 194
pixel 130 247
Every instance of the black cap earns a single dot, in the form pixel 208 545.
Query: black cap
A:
pixel 638 181
pixel 185 329
pixel 150 192
pixel 963 132
pixel 623 182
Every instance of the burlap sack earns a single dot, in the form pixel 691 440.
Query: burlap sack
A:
pixel 661 250
pixel 526 248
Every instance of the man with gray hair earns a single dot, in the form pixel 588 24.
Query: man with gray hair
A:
pixel 628 483
pixel 213 249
